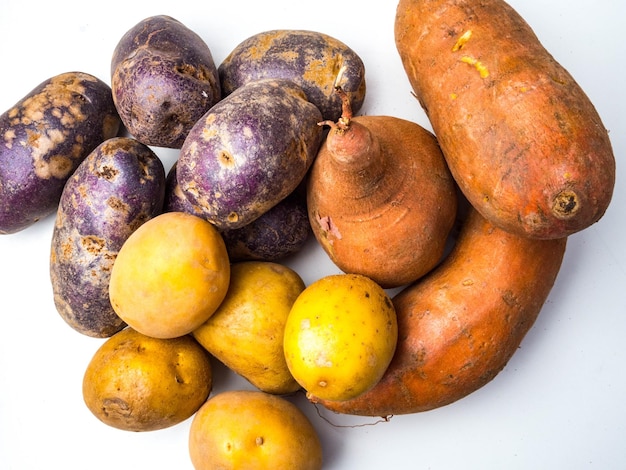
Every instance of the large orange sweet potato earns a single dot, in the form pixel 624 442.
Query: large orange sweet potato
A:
pixel 522 139
pixel 460 325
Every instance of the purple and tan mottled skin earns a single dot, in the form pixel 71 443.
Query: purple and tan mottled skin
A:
pixel 280 232
pixel 175 200
pixel 43 139
pixel 249 152
pixel 117 188
pixel 315 61
pixel 164 79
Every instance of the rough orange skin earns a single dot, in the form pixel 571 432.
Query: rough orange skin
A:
pixel 522 139
pixel 460 325
pixel 381 199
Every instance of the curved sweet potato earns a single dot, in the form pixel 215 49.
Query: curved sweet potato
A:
pixel 522 139
pixel 460 325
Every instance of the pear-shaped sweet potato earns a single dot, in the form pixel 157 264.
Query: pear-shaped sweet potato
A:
pixel 380 197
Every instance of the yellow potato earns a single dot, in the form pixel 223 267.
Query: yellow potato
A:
pixel 170 275
pixel 340 336
pixel 246 332
pixel 252 430
pixel 138 383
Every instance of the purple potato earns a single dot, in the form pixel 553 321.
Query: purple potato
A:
pixel 249 152
pixel 315 61
pixel 175 200
pixel 164 79
pixel 280 232
pixel 43 139
pixel 117 188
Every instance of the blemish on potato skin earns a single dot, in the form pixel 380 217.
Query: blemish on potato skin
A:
pixel 107 172
pixel 46 135
pixel 94 218
pixel 478 65
pixel 463 39
pixel 9 137
pixel 312 59
pixel 226 159
pixel 116 407
pixel 93 245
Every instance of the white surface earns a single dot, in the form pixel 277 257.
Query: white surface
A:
pixel 560 402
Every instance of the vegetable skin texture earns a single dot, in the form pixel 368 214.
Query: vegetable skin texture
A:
pixel 249 152
pixel 117 188
pixel 460 325
pixel 164 79
pixel 137 383
pixel 381 199
pixel 43 138
pixel 314 61
pixel 278 233
pixel 522 139
pixel 250 429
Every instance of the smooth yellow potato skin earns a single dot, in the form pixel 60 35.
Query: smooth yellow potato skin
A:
pixel 170 275
pixel 340 336
pixel 246 332
pixel 138 383
pixel 252 430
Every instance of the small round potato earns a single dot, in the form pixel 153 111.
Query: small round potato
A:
pixel 245 429
pixel 163 79
pixel 170 275
pixel 138 383
pixel 340 336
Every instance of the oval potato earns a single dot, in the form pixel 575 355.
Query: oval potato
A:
pixel 43 139
pixel 118 187
pixel 314 61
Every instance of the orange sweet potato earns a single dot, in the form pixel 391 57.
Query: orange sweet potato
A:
pixel 380 197
pixel 460 325
pixel 522 139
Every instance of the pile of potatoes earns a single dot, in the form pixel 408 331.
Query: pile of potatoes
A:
pixel 168 266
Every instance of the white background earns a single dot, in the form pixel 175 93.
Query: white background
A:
pixel 560 402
